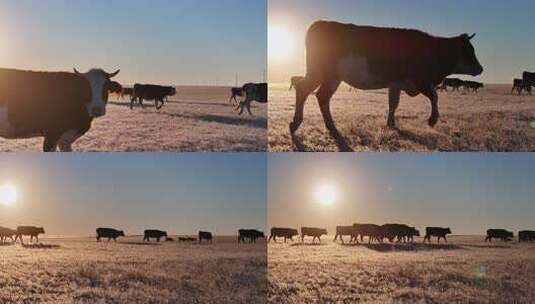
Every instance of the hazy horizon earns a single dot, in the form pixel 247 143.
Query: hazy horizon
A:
pixel 502 29
pixel 467 192
pixel 182 42
pixel 72 195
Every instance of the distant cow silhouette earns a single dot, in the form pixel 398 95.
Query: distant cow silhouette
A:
pixel 115 87
pixel 472 85
pixel 6 233
pixel 109 233
pixel 155 234
pixel 526 236
pixel 151 92
pixel 204 235
pixel 286 233
pixel 249 234
pixel 313 232
pixel 186 239
pixel 400 232
pixel 436 231
pixel 342 231
pixel 253 92
pixel 519 86
pixel 529 79
pixel 502 234
pixel 372 231
pixel 454 83
pixel 32 231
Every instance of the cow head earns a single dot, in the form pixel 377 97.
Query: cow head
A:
pixel 448 230
pixel 99 82
pixel 295 232
pixel 467 63
pixel 324 231
pixel 415 231
pixel 121 233
pixel 165 233
pixel 115 87
pixel 41 230
pixel 261 234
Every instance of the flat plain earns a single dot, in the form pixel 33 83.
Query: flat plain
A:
pixel 466 270
pixel 491 120
pixel 80 270
pixel 198 118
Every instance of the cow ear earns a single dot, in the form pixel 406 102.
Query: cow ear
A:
pixel 471 36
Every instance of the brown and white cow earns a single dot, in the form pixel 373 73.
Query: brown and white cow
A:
pixel 367 58
pixel 58 106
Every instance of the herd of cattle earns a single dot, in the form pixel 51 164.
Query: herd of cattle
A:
pixel 524 84
pixel 244 235
pixel 391 232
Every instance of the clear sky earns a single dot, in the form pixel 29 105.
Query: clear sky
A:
pixel 163 41
pixel 468 192
pixel 181 193
pixel 504 43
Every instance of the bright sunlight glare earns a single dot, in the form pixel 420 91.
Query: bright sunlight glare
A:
pixel 326 194
pixel 8 194
pixel 280 43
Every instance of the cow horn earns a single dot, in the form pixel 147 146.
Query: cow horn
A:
pixel 113 74
pixel 471 36
pixel 76 71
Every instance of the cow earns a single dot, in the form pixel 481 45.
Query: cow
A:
pixel 204 235
pixel 502 234
pixel 529 79
pixel 526 236
pixel 519 85
pixel 6 233
pixel 474 85
pixel 294 81
pixel 286 233
pixel 253 92
pixel 367 57
pixel 372 231
pixel 151 92
pixel 58 106
pixel 115 87
pixel 186 239
pixel 169 239
pixel 32 231
pixel 401 232
pixel 342 231
pixel 109 233
pixel 127 92
pixel 235 92
pixel 454 83
pixel 313 232
pixel 439 232
pixel 249 234
pixel 153 233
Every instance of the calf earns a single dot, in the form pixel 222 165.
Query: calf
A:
pixel 249 234
pixel 342 231
pixel 502 234
pixel 32 231
pixel 367 58
pixel 438 232
pixel 526 236
pixel 109 233
pixel 153 233
pixel 151 92
pixel 313 232
pixel 286 233
pixel 204 235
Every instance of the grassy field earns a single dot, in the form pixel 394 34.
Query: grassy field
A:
pixel 196 119
pixel 466 270
pixel 492 120
pixel 81 270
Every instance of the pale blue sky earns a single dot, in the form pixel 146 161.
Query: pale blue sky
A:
pixel 161 41
pixel 504 43
pixel 469 192
pixel 182 193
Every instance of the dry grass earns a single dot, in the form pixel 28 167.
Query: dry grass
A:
pixel 196 119
pixel 83 271
pixel 467 270
pixel 492 120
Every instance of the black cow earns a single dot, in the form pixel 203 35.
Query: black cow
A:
pixel 6 233
pixel 529 79
pixel 342 231
pixel 204 235
pixel 109 233
pixel 519 85
pixel 127 92
pixel 502 234
pixel 294 81
pixel 32 231
pixel 286 233
pixel 367 57
pixel 155 234
pixel 253 92
pixel 526 236
pixel 58 106
pixel 372 231
pixel 151 92
pixel 249 234
pixel 401 232
pixel 438 232
pixel 473 85
pixel 313 232
pixel 454 83
pixel 235 92
pixel 115 87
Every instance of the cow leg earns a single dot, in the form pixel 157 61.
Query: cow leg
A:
pixel 445 239
pixel 141 102
pixel 50 143
pixel 431 93
pixel 67 139
pixel 132 100
pixel 393 102
pixel 302 90
pixel 248 106
pixel 324 95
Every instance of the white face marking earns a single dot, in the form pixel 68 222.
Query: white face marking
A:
pixel 96 79
pixel 354 71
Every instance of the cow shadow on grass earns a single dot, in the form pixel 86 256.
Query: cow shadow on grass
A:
pixel 143 243
pixel 426 141
pixel 40 246
pixel 6 244
pixel 339 139
pixel 396 247
pixel 258 123
pixel 495 246
pixel 307 244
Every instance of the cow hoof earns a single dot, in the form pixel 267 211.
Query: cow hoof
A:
pixel 293 127
pixel 432 122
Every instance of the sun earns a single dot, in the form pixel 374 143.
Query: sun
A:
pixel 326 194
pixel 280 43
pixel 8 194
